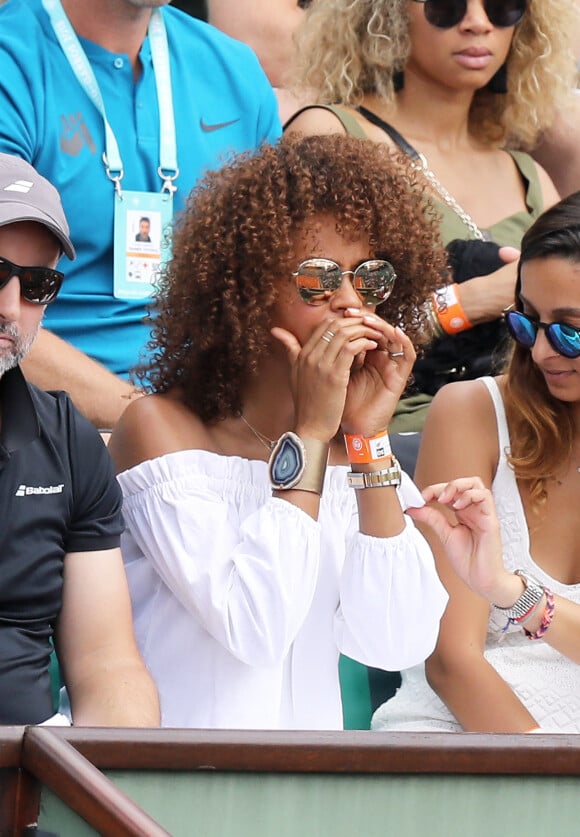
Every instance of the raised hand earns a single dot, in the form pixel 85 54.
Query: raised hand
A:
pixel 472 542
pixel 377 380
pixel 484 297
pixel 321 369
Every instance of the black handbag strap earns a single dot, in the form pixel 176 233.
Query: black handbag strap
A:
pixel 397 138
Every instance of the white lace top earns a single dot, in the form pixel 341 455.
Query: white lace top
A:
pixel 546 682
pixel 242 602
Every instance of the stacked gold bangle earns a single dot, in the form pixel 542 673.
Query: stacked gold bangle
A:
pixel 432 320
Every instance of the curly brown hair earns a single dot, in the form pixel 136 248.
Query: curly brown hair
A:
pixel 348 48
pixel 541 426
pixel 212 311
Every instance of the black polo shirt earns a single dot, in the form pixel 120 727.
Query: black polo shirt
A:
pixel 58 494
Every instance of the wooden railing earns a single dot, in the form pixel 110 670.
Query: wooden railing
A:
pixel 320 752
pixel 70 763
pixel 32 757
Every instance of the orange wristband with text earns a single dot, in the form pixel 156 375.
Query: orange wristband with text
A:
pixel 366 449
pixel 449 311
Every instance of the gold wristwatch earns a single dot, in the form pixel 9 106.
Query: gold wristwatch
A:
pixel 376 479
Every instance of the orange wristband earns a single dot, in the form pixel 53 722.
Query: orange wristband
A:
pixel 449 311
pixel 363 449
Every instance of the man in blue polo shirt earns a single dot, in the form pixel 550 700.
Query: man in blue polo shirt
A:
pixel 60 506
pixel 163 97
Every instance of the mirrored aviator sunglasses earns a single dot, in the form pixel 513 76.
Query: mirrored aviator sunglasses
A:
pixel 563 338
pixel 39 285
pixel 444 14
pixel 317 279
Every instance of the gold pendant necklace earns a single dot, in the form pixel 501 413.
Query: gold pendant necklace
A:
pixel 268 443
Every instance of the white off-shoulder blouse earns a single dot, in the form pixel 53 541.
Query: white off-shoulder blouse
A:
pixel 242 602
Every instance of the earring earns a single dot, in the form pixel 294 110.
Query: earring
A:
pixel 398 80
pixel 498 82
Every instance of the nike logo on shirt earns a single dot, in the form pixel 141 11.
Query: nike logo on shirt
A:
pixel 208 128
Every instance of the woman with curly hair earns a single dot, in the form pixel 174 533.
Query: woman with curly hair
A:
pixel 503 659
pixel 285 321
pixel 452 83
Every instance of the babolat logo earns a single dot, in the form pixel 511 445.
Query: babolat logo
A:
pixel 25 490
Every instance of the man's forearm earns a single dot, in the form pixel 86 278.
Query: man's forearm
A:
pixel 101 396
pixel 123 695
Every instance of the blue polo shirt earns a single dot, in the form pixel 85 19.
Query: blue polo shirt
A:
pixel 58 494
pixel 223 104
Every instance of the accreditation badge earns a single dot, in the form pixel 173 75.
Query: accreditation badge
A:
pixel 142 245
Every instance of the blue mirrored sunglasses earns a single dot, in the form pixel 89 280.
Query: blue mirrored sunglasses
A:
pixel 563 338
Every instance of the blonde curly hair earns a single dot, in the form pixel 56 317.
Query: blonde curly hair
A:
pixel 349 48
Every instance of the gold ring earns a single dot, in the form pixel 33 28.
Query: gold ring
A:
pixel 327 336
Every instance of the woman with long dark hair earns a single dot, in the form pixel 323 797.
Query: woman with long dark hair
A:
pixel 503 662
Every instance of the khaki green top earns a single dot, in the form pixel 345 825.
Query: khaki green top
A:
pixel 511 229
pixel 507 231
pixel 411 412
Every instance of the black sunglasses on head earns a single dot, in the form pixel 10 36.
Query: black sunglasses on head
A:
pixel 39 285
pixel 444 14
pixel 563 338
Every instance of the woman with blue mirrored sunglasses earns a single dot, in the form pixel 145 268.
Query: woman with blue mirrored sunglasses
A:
pixel 507 658
pixel 562 337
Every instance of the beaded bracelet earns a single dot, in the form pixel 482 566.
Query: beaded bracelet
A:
pixel 546 618
pixel 528 616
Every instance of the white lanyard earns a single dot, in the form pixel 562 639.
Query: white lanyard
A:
pixel 82 69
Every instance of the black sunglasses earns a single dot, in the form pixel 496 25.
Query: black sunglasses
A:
pixel 317 279
pixel 444 14
pixel 39 285
pixel 563 338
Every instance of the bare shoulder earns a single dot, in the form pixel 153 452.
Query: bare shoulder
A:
pixel 460 435
pixel 462 408
pixel 468 396
pixel 550 194
pixel 153 426
pixel 314 119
